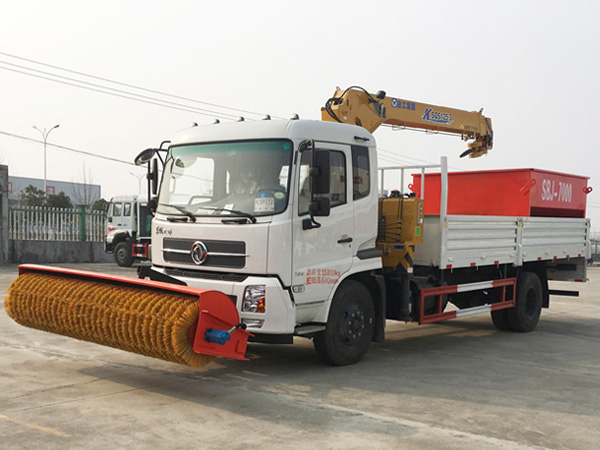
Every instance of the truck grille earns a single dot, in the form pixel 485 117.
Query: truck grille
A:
pixel 231 254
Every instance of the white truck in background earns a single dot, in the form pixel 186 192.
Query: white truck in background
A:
pixel 128 230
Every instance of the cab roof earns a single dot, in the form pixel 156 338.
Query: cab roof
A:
pixel 275 129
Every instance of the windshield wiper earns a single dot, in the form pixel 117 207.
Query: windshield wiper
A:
pixel 184 210
pixel 233 211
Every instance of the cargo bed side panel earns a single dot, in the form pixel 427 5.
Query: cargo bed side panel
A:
pixel 554 238
pixel 471 241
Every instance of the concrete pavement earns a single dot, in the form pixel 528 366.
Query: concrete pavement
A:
pixel 456 385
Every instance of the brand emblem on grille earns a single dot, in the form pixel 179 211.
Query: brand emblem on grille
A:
pixel 199 252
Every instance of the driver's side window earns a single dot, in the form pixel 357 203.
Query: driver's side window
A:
pixel 117 209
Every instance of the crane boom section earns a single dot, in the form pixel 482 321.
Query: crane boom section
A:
pixel 358 107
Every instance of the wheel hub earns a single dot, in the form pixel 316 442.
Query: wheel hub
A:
pixel 352 325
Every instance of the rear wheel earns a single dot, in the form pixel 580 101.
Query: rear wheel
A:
pixel 123 256
pixel 528 306
pixel 500 319
pixel 349 329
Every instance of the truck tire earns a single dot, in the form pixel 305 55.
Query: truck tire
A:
pixel 349 328
pixel 528 305
pixel 500 320
pixel 123 256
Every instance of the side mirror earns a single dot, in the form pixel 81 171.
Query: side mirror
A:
pixel 145 156
pixel 153 177
pixel 109 219
pixel 152 203
pixel 320 172
pixel 320 207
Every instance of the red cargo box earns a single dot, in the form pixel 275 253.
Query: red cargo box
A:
pixel 515 192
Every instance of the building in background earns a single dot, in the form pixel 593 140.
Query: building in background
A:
pixel 79 193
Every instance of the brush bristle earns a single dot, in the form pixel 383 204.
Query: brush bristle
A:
pixel 149 322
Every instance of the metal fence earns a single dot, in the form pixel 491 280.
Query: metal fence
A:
pixel 56 224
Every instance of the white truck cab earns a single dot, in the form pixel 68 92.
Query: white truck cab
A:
pixel 233 216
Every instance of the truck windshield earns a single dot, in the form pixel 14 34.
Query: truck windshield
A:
pixel 226 179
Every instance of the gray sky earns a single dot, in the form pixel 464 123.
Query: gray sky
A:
pixel 533 66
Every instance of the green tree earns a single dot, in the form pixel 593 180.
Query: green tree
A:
pixel 100 205
pixel 59 200
pixel 32 196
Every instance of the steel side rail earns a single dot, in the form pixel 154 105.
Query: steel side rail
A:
pixel 455 289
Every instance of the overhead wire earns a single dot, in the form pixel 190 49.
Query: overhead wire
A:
pixel 70 149
pixel 128 94
pixel 392 157
pixel 398 158
pixel 127 84
pixel 115 92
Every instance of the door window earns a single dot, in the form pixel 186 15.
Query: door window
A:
pixel 361 178
pixel 337 184
pixel 117 209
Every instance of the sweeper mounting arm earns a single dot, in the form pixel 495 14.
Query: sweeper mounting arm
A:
pixel 358 107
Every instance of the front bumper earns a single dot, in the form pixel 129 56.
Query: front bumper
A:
pixel 108 246
pixel 279 316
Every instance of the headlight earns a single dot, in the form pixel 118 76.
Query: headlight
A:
pixel 254 299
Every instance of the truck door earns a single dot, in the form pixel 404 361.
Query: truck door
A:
pixel 321 255
pixel 115 215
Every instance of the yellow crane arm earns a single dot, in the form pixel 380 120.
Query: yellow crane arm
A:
pixel 358 107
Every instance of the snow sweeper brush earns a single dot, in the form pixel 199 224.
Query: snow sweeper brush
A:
pixel 166 321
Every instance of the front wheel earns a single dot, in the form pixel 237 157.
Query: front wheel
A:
pixel 123 256
pixel 349 328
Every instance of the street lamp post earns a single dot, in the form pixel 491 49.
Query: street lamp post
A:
pixel 139 178
pixel 45 136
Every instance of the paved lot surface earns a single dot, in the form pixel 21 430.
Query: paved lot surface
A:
pixel 456 385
